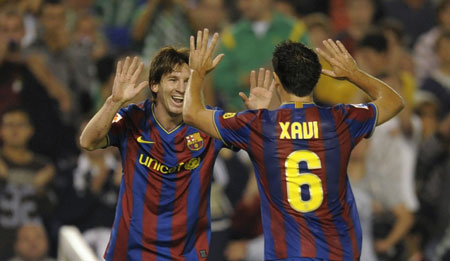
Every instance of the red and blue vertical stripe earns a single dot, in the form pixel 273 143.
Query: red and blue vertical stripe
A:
pixel 332 231
pixel 161 214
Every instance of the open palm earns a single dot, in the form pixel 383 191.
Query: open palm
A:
pixel 127 73
pixel 342 63
pixel 260 91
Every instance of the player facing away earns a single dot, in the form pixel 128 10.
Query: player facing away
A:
pixel 299 151
pixel 163 207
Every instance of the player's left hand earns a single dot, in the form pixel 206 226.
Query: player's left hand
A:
pixel 200 56
pixel 260 91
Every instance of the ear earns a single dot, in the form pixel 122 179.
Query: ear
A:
pixel 277 80
pixel 154 88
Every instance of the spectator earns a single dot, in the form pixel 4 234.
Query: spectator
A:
pixel 360 15
pixel 248 44
pixel 417 16
pixel 391 158
pixel 159 24
pixel 433 179
pixel 25 178
pixel 117 17
pixel 425 57
pixel 31 244
pixel 27 82
pixel 438 82
pixel 319 29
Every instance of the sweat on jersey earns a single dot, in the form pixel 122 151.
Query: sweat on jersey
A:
pixel 300 153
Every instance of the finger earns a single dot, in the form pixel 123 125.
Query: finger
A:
pixel 137 72
pixel 126 65
pixel 266 79
pixel 133 66
pixel 141 86
pixel 334 46
pixel 217 60
pixel 323 54
pixel 205 40
pixel 243 97
pixel 192 43
pixel 260 77
pixel 342 48
pixel 272 86
pixel 330 49
pixel 119 68
pixel 328 72
pixel 252 79
pixel 199 40
pixel 212 46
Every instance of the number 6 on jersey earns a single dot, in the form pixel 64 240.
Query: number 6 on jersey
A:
pixel 296 181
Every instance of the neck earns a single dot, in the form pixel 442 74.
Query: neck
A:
pixel 16 154
pixel 166 119
pixel 288 97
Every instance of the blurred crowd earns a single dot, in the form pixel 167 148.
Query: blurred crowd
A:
pixel 57 65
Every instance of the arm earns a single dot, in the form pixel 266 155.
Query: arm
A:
pixel 124 89
pixel 388 102
pixel 404 219
pixel 143 21
pixel 44 176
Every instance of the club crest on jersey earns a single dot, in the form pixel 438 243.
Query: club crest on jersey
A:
pixel 194 141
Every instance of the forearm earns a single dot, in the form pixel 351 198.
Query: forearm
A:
pixel 44 176
pixel 388 101
pixel 404 220
pixel 94 134
pixel 193 103
pixel 143 22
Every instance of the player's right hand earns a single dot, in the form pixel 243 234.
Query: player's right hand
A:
pixel 127 73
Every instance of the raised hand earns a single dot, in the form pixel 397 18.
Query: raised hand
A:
pixel 200 56
pixel 127 73
pixel 342 63
pixel 260 91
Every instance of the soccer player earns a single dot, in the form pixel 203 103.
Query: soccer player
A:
pixel 299 151
pixel 163 207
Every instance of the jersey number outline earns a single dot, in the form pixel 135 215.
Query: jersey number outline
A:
pixel 295 180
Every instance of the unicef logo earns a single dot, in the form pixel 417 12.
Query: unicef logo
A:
pixel 192 163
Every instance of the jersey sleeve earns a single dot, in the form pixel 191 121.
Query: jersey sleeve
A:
pixel 361 119
pixel 118 128
pixel 234 128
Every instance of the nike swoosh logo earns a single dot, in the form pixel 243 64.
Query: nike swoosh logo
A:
pixel 140 140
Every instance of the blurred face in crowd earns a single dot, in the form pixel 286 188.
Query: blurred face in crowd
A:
pixel 31 243
pixel 254 10
pixel 11 28
pixel 16 129
pixel 210 14
pixel 360 12
pixel 86 29
pixel 444 16
pixel 372 61
pixel 171 89
pixel 443 50
pixel 53 18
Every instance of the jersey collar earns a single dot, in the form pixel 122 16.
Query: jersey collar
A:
pixel 297 105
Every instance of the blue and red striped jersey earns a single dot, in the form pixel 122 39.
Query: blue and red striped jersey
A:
pixel 163 207
pixel 300 154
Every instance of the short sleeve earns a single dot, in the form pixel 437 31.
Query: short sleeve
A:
pixel 360 119
pixel 234 128
pixel 118 128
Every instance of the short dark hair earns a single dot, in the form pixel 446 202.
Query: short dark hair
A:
pixel 375 40
pixel 165 61
pixel 297 66
pixel 15 109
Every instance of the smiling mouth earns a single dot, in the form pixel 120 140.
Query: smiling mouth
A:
pixel 178 100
